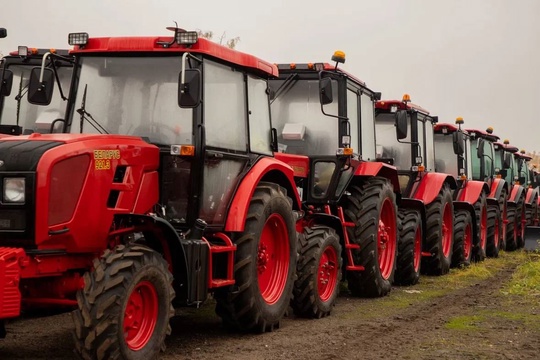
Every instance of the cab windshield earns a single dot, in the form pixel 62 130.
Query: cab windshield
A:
pixel 17 110
pixel 132 96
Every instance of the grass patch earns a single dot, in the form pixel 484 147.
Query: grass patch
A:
pixel 464 322
pixel 526 279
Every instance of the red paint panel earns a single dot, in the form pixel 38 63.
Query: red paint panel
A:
pixel 236 217
pixel 10 271
pixel 367 168
pixel 299 163
pixel 150 44
pixel 430 186
pixel 483 134
pixel 472 190
pixel 148 194
pixel 438 128
pixel 514 192
pixel 531 194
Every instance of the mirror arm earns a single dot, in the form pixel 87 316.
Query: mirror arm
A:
pixel 183 73
pixel 43 66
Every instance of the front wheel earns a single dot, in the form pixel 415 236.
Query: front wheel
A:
pixel 494 230
pixel 125 306
pixel 409 247
pixel 463 239
pixel 319 272
pixel 264 266
pixel 481 234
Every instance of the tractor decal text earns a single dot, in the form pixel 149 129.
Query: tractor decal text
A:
pixel 102 158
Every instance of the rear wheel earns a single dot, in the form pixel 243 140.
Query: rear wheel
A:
pixel 264 266
pixel 409 247
pixel 503 208
pixel 494 230
pixel 512 228
pixel 371 206
pixel 463 239
pixel 439 234
pixel 480 237
pixel 522 224
pixel 319 272
pixel 125 306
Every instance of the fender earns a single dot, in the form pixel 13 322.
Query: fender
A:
pixel 431 185
pixel 266 169
pixel 532 194
pixel 299 163
pixel 324 219
pixel 467 206
pixel 379 169
pixel 497 187
pixel 472 191
pixel 516 193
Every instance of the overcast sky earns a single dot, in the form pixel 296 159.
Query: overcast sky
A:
pixel 479 59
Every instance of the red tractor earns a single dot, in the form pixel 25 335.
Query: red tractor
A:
pixel 507 166
pixel 17 115
pixel 324 118
pixel 527 179
pixel 477 217
pixel 162 189
pixel 404 134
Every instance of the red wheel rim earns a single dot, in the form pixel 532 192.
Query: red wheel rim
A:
pixel 273 259
pixel 447 230
pixel 386 238
pixel 328 273
pixel 417 249
pixel 467 242
pixel 483 228
pixel 496 238
pixel 140 315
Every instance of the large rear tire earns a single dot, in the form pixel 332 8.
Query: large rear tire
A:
pixel 512 227
pixel 371 206
pixel 494 230
pixel 319 272
pixel 439 234
pixel 409 247
pixel 503 207
pixel 481 234
pixel 463 239
pixel 125 306
pixel 265 264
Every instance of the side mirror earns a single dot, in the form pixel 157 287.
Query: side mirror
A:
pixel 189 92
pixel 325 91
pixel 459 143
pixel 3 33
pixel 6 82
pixel 401 124
pixel 507 160
pixel 480 148
pixel 40 92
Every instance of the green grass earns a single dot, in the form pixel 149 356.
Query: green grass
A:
pixel 526 279
pixel 464 322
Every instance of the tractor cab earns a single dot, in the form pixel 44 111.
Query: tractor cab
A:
pixel 18 115
pixel 510 164
pixel 405 139
pixel 483 159
pixel 453 149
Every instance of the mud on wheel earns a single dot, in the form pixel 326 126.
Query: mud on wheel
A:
pixel 371 205
pixel 125 306
pixel 319 272
pixel 463 239
pixel 480 237
pixel 265 264
pixel 439 237
pixel 409 247
pixel 494 223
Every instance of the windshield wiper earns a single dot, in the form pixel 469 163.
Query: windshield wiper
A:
pixel 85 115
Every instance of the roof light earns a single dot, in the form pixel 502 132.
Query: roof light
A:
pixel 22 50
pixel 406 98
pixel 319 66
pixel 459 120
pixel 522 151
pixel 339 56
pixel 310 66
pixel 506 142
pixel 187 37
pixel 78 38
pixel 489 130
pixel 348 151
pixel 292 66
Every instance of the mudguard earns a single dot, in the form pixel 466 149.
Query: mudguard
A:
pixel 472 191
pixel 379 169
pixel 326 220
pixel 431 185
pixel 497 187
pixel 266 169
pixel 516 193
pixel 532 195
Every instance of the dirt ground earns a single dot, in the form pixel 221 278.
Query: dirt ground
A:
pixel 464 315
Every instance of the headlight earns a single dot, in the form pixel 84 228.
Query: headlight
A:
pixel 14 190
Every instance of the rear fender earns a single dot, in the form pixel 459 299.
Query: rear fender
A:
pixel 467 206
pixel 497 187
pixel 431 185
pixel 266 169
pixel 472 190
pixel 531 197
pixel 515 194
pixel 379 169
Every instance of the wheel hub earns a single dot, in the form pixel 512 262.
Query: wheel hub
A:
pixel 262 258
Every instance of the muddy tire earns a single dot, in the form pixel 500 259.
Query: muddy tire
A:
pixel 481 234
pixel 265 264
pixel 503 207
pixel 125 306
pixel 371 206
pixel 409 247
pixel 439 238
pixel 463 239
pixel 520 242
pixel 319 272
pixel 494 222
pixel 512 227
